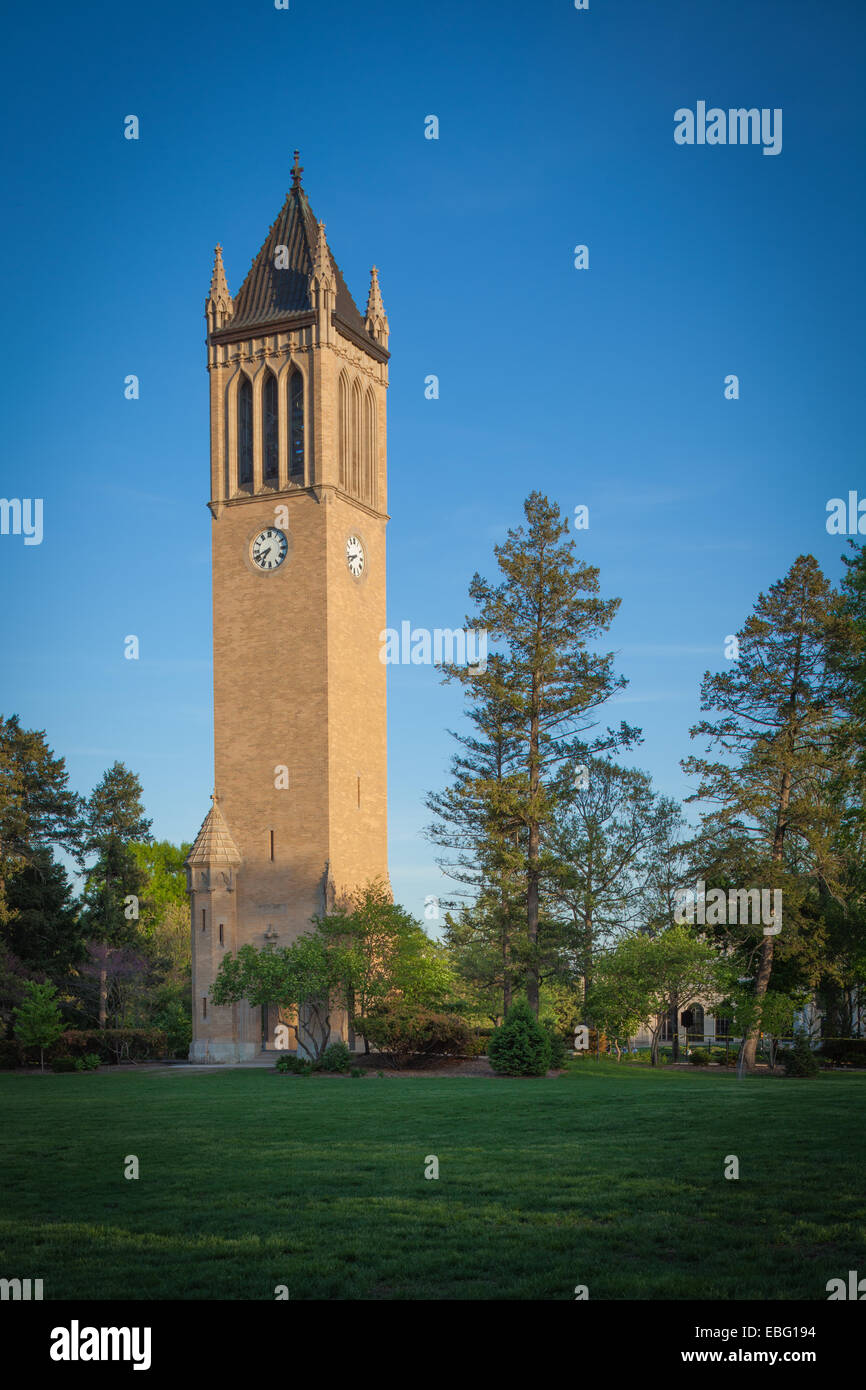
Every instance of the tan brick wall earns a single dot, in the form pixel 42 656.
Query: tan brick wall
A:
pixel 297 678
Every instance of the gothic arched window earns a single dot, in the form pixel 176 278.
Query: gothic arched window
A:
pixel 271 430
pixel 245 432
pixel 344 431
pixel 369 485
pixel 355 481
pixel 296 426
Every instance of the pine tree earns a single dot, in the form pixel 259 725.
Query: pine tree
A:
pixel 602 849
pixel 115 819
pixel 778 711
pixel 547 613
pixel 477 819
pixel 43 928
pixel 38 811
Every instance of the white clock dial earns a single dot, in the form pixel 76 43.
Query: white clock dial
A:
pixel 268 550
pixel 355 557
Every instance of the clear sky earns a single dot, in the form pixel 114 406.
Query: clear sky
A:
pixel 602 387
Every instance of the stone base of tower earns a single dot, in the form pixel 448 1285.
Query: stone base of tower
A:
pixel 205 1050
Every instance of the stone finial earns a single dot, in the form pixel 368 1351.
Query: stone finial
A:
pixel 297 170
pixel 376 318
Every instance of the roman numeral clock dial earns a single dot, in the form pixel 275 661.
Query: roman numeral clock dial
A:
pixel 268 550
pixel 355 557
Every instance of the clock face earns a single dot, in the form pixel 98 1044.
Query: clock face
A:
pixel 268 550
pixel 355 557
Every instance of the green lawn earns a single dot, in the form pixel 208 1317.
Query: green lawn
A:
pixel 607 1176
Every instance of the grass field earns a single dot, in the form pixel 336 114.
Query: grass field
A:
pixel 607 1176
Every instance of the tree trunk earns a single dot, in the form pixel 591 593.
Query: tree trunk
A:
pixel 675 1031
pixel 765 966
pixel 103 995
pixel 532 875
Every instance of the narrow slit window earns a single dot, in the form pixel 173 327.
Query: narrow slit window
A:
pixel 204 1007
pixel 204 919
pixel 272 844
pixel 359 792
pixel 222 939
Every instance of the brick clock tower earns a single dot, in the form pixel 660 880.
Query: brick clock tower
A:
pixel 298 382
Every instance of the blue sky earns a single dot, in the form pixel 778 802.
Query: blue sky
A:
pixel 601 387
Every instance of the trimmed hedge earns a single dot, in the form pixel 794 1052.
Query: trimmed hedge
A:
pixel 844 1052
pixel 403 1031
pixel 117 1044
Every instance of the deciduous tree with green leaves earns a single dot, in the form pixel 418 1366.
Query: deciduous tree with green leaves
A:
pixel 646 978
pixel 38 1021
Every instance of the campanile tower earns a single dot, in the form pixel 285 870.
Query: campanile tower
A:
pixel 298 383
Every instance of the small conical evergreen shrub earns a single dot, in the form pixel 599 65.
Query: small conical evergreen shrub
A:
pixel 520 1047
pixel 799 1060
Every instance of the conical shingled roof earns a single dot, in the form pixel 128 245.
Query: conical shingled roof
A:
pixel 213 843
pixel 270 292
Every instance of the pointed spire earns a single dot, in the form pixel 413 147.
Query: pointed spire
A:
pixel 322 272
pixel 376 318
pixel 297 170
pixel 219 307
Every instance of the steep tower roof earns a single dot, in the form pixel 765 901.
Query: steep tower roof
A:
pixel 271 291
pixel 213 843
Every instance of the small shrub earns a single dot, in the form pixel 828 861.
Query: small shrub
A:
pixel 521 1047
pixel 558 1049
pixel 357 1071
pixel 174 1021
pixel 799 1060
pixel 89 1062
pixel 699 1057
pixel 336 1057
pixel 403 1031
pixel 63 1064
pixel 297 1066
pixel 11 1055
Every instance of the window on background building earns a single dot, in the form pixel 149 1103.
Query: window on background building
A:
pixel 696 1027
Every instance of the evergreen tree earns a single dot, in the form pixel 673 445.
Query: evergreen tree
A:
pixel 114 820
pixel 778 709
pixel 38 811
pixel 43 928
pixel 602 849
pixel 549 683
pixel 477 818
